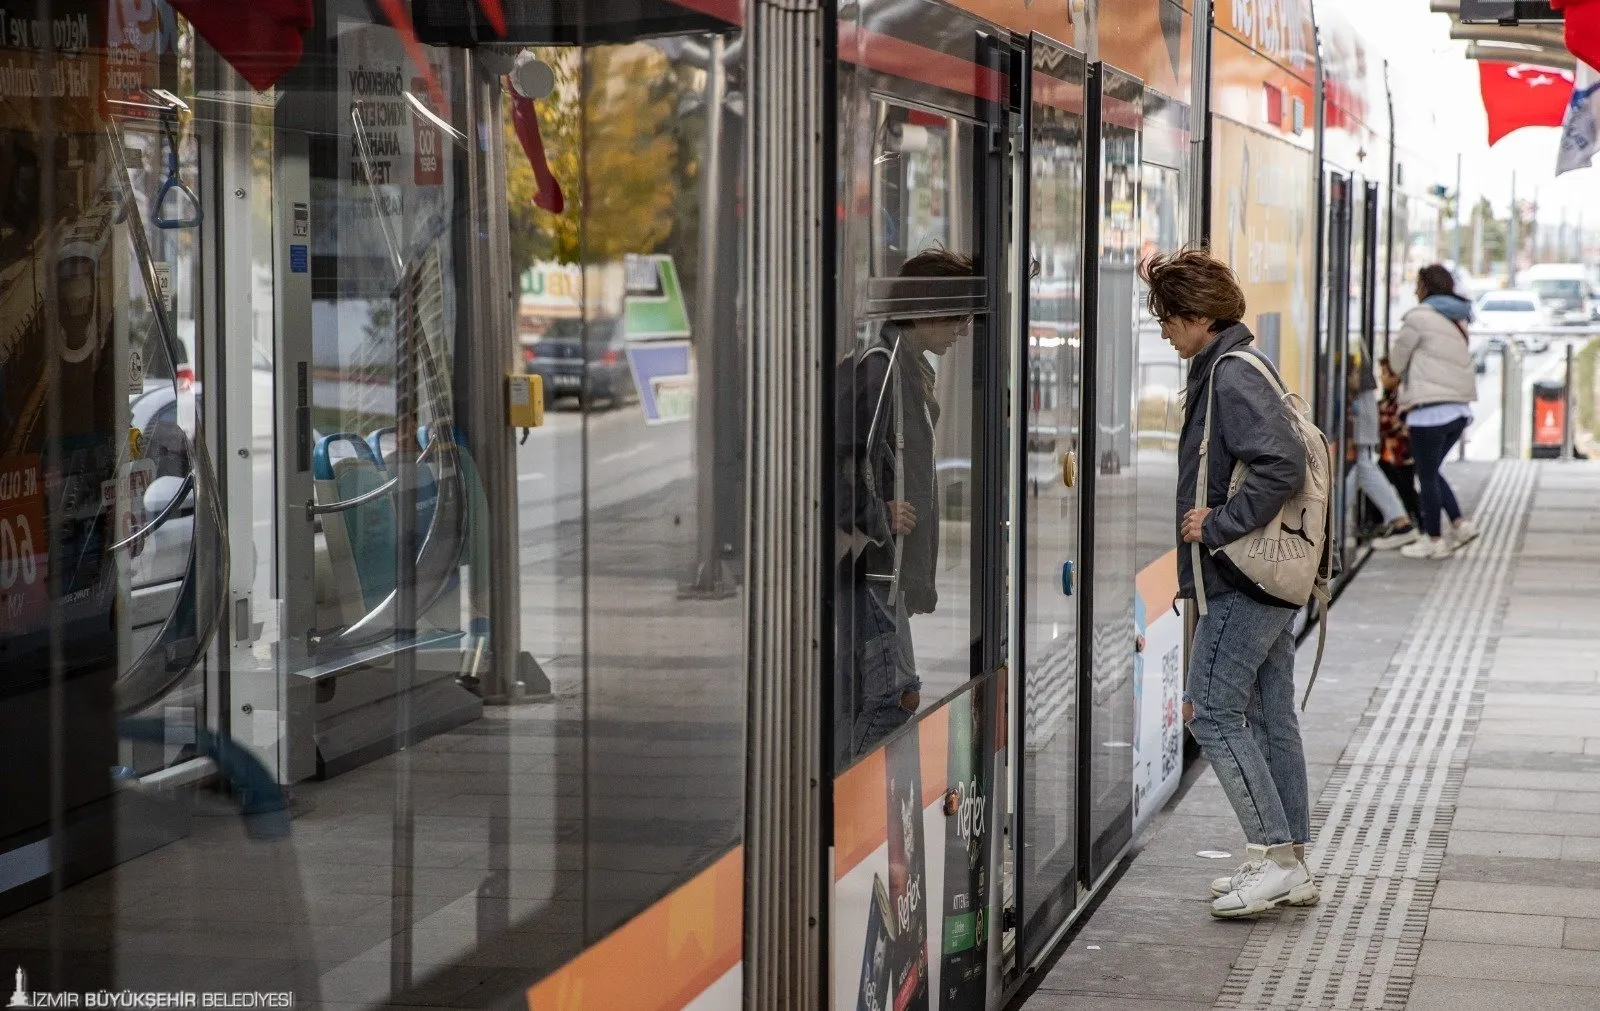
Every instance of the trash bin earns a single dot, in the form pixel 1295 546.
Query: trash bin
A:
pixel 1549 418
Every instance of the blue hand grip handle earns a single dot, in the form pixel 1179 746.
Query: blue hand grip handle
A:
pixel 172 182
pixel 1066 578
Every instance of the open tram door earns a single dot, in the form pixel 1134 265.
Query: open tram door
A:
pixel 1049 455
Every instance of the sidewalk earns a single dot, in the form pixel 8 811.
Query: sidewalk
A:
pixel 1454 750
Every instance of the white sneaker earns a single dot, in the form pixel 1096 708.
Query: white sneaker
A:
pixel 1395 538
pixel 1464 533
pixel 1222 886
pixel 1278 880
pixel 1428 547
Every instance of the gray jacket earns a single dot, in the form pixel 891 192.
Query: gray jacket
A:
pixel 1431 354
pixel 1251 425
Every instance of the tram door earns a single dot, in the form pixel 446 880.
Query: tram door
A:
pixel 1115 130
pixel 1049 502
pixel 1332 366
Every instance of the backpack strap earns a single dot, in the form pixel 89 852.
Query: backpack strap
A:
pixel 1201 483
pixel 891 389
pixel 1323 599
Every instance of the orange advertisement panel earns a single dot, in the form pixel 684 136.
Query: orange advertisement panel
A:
pixel 1263 214
pixel 1257 92
pixel 1281 30
pixel 1047 17
pixel 1150 39
pixel 676 952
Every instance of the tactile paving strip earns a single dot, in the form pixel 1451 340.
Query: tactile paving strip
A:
pixel 1381 824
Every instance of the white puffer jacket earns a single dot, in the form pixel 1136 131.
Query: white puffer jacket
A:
pixel 1430 353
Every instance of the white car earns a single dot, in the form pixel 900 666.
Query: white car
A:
pixel 1517 315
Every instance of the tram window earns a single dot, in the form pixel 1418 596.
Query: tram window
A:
pixel 920 177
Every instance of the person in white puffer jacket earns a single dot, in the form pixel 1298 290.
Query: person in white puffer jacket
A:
pixel 1437 387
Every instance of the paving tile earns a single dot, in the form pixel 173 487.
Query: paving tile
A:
pixel 1585 848
pixel 1517 871
pixel 1544 900
pixel 1582 933
pixel 1535 779
pixel 1527 742
pixel 1495 928
pixel 1049 1000
pixel 1477 819
pixel 1516 964
pixel 1435 993
pixel 1504 844
pixel 1169 972
pixel 1508 799
pixel 1582 803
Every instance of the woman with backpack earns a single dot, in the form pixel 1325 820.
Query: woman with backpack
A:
pixel 1240 699
pixel 1438 384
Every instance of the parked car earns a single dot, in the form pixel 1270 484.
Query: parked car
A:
pixel 1563 288
pixel 583 359
pixel 1514 315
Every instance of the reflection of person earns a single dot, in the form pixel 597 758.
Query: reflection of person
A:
pixel 1364 472
pixel 887 508
pixel 1240 699
pixel 1437 387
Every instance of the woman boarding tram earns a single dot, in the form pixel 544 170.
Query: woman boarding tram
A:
pixel 1437 388
pixel 1240 699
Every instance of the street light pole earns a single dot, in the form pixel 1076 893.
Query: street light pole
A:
pixel 1455 248
pixel 1512 239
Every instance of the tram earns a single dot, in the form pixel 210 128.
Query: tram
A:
pixel 430 475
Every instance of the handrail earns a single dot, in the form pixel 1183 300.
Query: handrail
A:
pixel 161 517
pixel 179 644
pixel 314 508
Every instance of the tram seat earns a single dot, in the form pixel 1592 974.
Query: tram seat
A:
pixel 427 488
pixel 360 539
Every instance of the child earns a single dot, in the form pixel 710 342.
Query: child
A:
pixel 1363 470
pixel 1395 456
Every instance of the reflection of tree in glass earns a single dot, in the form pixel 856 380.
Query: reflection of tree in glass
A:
pixel 608 139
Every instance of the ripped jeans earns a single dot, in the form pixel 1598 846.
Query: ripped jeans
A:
pixel 1241 687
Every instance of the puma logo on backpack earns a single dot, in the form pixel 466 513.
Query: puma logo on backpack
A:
pixel 1264 564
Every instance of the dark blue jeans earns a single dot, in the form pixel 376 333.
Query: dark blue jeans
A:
pixel 1430 444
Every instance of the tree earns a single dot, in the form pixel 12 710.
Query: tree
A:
pixel 607 139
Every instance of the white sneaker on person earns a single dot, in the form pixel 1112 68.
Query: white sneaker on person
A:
pixel 1429 547
pixel 1464 533
pixel 1395 537
pixel 1257 854
pixel 1278 880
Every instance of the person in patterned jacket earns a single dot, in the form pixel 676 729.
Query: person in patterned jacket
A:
pixel 1394 454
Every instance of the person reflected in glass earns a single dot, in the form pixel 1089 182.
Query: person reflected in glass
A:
pixel 888 519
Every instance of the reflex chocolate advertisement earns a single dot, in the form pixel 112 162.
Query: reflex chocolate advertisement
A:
pixel 915 860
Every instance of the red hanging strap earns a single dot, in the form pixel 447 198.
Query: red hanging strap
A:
pixel 525 120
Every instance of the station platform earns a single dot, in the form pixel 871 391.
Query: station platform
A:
pixel 1453 740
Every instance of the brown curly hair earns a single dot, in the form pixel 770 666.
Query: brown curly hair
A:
pixel 1191 284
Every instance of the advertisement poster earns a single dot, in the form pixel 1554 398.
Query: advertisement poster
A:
pixel 1265 209
pixel 75 337
pixel 1158 702
pixel 908 893
pixel 395 176
pixel 964 936
pixel 912 925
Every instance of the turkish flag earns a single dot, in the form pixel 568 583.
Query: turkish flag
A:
pixel 1522 94
pixel 260 38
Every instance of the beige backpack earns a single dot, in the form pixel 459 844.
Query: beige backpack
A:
pixel 1288 562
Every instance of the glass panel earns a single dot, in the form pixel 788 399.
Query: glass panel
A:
pixel 1049 603
pixel 474 702
pixel 1112 637
pixel 662 430
pixel 905 422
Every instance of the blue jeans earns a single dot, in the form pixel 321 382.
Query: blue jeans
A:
pixel 1430 444
pixel 1241 688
